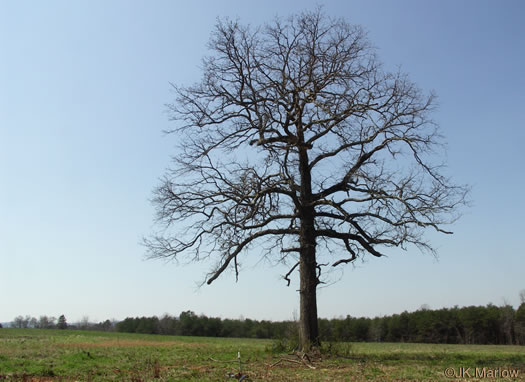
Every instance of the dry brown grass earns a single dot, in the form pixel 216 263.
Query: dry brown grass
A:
pixel 129 343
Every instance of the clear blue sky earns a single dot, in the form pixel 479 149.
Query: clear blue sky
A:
pixel 82 91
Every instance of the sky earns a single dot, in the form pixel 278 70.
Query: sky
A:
pixel 83 89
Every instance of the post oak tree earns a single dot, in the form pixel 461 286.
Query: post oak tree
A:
pixel 297 141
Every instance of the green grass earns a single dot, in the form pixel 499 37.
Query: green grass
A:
pixel 54 355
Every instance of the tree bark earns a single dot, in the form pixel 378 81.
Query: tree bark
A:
pixel 308 324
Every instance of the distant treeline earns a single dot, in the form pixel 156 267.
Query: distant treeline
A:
pixel 49 322
pixel 469 325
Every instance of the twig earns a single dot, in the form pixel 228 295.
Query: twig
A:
pixel 307 364
pixel 301 362
pixel 216 360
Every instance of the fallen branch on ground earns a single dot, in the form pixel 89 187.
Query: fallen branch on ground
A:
pixel 301 361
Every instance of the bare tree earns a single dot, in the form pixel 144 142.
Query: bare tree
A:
pixel 84 323
pixel 19 322
pixel 45 322
pixel 297 138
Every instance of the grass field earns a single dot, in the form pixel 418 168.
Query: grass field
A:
pixel 54 355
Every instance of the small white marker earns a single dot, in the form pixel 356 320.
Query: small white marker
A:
pixel 239 358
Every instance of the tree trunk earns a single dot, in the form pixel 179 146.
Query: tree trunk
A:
pixel 308 325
